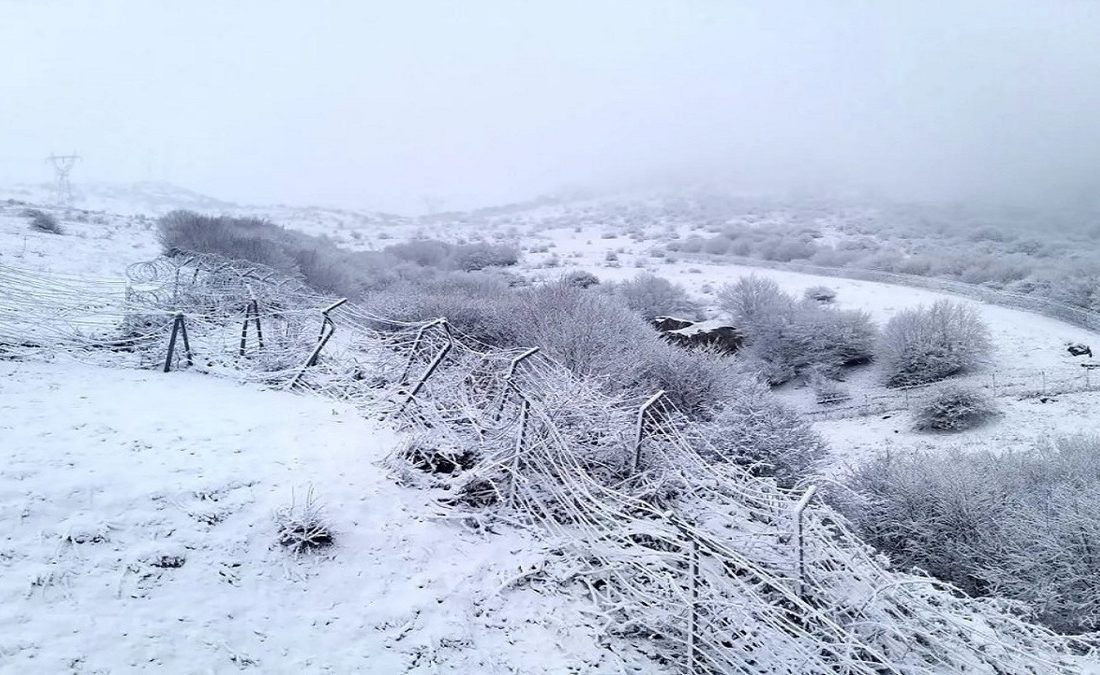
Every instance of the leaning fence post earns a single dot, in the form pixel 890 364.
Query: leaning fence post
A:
pixel 431 367
pixel 523 414
pixel 639 429
pixel 799 508
pixel 179 328
pixel 312 357
pixel 251 312
pixel 508 378
pixel 326 321
pixel 415 346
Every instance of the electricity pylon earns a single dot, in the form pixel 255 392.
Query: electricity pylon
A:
pixel 62 166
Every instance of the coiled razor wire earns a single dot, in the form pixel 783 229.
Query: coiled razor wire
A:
pixel 698 556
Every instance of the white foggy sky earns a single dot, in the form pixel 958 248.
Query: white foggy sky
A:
pixel 376 104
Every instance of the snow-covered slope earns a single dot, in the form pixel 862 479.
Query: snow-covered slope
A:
pixel 136 534
pixel 147 197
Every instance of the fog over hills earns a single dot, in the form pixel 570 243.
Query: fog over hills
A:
pixel 425 105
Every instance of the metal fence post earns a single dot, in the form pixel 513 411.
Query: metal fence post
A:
pixel 179 328
pixel 798 511
pixel 251 312
pixel 416 345
pixel 508 378
pixel 639 429
pixel 524 411
pixel 431 367
pixel 326 321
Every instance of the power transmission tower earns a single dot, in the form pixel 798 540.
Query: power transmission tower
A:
pixel 62 166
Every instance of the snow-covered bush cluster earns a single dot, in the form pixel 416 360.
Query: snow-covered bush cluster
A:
pixel 1021 525
pixel 325 265
pixel 758 432
pixel 652 296
pixel 465 257
pixel 788 338
pixel 954 407
pixel 931 343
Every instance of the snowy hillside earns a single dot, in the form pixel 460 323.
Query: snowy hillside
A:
pixel 154 500
pixel 139 531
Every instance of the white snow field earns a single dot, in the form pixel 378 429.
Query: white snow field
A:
pixel 137 534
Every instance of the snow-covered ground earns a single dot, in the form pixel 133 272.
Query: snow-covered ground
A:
pixel 137 533
pixel 114 477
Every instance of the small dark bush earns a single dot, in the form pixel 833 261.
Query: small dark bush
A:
pixel 301 526
pixel 44 222
pixel 581 279
pixel 822 294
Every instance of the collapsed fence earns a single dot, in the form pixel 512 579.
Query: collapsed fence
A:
pixel 720 570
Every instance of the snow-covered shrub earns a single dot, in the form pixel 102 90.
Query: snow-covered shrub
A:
pixel 301 527
pixel 581 279
pixel 822 294
pixel 753 302
pixel 475 305
pixel 787 337
pixel 652 296
pixel 928 344
pixel 423 252
pixel 472 257
pixel 251 239
pixel 696 382
pixel 757 431
pixel 787 248
pixel 44 222
pixel 718 245
pixel 446 256
pixel 954 407
pixel 591 334
pixel 1020 525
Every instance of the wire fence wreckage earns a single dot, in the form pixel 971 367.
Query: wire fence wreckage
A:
pixel 720 570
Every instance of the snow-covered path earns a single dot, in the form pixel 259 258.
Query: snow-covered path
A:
pixel 112 478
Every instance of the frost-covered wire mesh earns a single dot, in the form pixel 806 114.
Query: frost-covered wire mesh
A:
pixel 672 544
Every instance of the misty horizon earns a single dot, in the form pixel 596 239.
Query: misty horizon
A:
pixel 386 107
